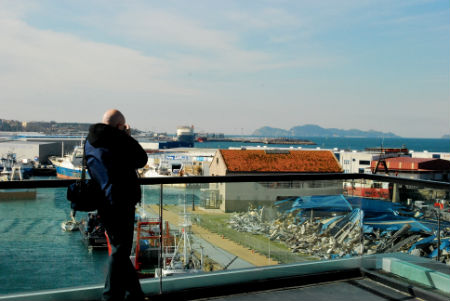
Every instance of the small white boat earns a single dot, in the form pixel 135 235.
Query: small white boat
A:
pixel 70 225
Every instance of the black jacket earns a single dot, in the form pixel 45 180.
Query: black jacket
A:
pixel 112 159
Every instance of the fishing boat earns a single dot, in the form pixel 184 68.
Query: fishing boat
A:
pixel 69 166
pixel 11 169
pixel 147 247
pixel 93 232
pixel 184 259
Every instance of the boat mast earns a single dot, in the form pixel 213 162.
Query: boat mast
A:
pixel 186 224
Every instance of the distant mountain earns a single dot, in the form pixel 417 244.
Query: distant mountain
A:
pixel 267 131
pixel 311 130
pixel 446 137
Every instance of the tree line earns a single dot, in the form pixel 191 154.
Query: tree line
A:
pixel 42 126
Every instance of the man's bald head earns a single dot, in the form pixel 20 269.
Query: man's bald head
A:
pixel 113 118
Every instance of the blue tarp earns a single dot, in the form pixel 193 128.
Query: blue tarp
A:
pixel 445 245
pixel 378 214
pixel 392 222
pixel 373 207
pixel 423 241
pixel 341 203
pixel 322 203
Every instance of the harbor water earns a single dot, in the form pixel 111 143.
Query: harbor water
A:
pixel 36 254
pixel 414 144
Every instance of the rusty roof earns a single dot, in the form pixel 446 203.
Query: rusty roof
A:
pixel 292 161
pixel 415 164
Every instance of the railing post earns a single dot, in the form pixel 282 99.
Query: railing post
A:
pixel 161 258
pixel 438 234
pixel 193 200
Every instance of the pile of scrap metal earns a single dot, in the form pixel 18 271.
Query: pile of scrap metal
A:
pixel 251 221
pixel 335 226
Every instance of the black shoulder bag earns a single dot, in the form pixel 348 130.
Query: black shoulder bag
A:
pixel 85 195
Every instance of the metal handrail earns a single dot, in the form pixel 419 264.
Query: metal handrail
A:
pixel 92 292
pixel 240 178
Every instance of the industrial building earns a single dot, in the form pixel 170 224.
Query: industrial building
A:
pixel 38 149
pixel 231 197
pixel 414 168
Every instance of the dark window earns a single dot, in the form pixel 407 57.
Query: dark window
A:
pixel 364 162
pixel 436 156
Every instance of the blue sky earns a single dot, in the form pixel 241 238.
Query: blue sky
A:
pixel 229 66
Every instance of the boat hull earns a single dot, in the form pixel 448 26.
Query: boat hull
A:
pixel 68 173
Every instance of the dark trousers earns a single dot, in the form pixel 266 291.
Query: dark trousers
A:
pixel 122 282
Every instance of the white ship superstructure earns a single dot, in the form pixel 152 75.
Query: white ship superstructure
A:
pixel 185 134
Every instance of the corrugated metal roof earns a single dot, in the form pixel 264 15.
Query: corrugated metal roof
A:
pixel 415 164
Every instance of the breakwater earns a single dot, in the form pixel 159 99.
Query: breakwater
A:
pixel 289 141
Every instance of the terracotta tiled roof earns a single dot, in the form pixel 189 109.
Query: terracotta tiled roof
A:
pixel 296 161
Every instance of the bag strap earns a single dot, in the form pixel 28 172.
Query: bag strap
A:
pixel 84 164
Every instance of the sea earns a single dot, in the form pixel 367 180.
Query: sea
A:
pixel 342 143
pixel 36 254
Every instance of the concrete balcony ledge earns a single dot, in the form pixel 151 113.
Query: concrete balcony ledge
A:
pixel 418 272
pixel 341 272
pixel 202 281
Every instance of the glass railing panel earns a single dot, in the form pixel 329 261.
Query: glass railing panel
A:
pixel 240 225
pixel 192 249
pixel 409 214
pixel 147 243
pixel 215 227
pixel 409 233
pixel 36 253
pixel 314 220
pixel 175 203
pixel 220 246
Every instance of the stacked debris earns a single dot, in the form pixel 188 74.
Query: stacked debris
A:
pixel 330 238
pixel 250 221
pixel 310 227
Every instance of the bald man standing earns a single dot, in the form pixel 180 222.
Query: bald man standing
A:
pixel 112 159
